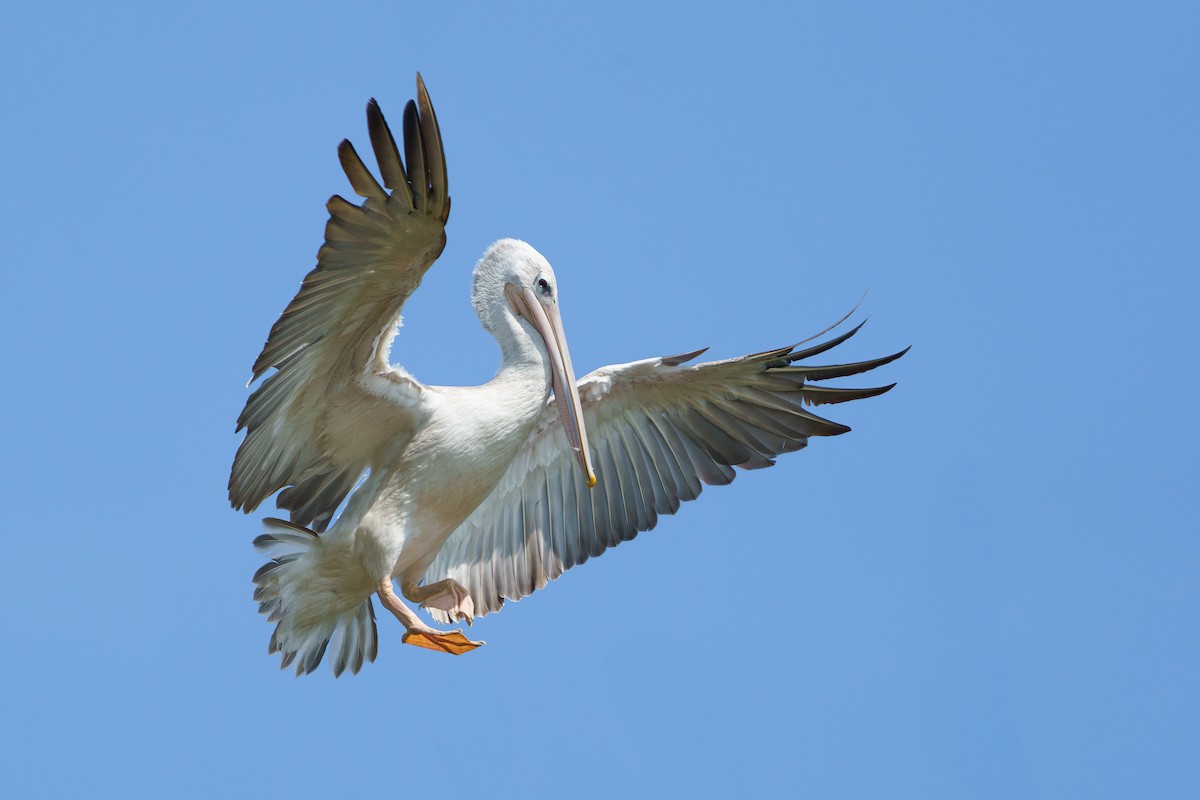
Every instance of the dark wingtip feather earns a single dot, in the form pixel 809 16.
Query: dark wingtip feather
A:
pixel 820 425
pixel 797 355
pixel 361 179
pixel 683 358
pixel 283 523
pixel 414 157
pixel 387 155
pixel 845 317
pixel 820 395
pixel 844 370
pixel 435 157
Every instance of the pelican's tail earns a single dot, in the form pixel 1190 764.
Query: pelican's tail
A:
pixel 304 588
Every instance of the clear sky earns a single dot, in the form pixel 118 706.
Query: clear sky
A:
pixel 987 590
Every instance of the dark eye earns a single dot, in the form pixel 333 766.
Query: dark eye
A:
pixel 543 285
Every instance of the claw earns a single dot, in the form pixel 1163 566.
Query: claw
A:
pixel 452 642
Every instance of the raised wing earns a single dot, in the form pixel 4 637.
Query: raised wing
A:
pixel 658 430
pixel 334 403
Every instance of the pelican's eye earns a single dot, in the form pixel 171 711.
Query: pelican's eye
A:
pixel 544 286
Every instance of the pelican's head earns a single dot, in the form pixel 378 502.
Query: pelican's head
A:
pixel 515 290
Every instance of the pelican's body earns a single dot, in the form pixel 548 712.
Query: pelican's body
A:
pixel 477 494
pixel 467 436
pixel 448 469
pixel 400 516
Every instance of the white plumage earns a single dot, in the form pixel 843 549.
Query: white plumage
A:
pixel 478 494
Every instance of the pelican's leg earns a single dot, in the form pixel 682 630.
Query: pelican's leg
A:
pixel 417 632
pixel 447 595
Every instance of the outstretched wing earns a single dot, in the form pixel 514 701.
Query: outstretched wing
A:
pixel 658 430
pixel 334 402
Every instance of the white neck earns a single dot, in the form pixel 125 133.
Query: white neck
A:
pixel 521 348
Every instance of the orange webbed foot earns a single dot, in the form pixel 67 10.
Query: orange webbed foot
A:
pixel 452 642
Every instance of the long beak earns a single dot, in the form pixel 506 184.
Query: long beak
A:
pixel 562 373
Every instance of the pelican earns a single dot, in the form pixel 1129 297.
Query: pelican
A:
pixel 470 496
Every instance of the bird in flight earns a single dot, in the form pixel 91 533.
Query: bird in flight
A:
pixel 469 496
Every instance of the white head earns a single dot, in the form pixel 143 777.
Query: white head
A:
pixel 515 294
pixel 508 261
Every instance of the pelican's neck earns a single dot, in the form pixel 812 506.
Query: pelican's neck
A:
pixel 522 353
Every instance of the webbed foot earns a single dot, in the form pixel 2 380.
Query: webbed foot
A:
pixel 452 642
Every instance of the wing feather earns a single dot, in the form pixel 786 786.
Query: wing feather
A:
pixel 662 468
pixel 561 508
pixel 578 525
pixel 361 179
pixel 414 154
pixel 334 402
pixel 646 489
pixel 679 457
pixel 659 431
pixel 386 152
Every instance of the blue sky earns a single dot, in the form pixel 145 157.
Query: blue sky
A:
pixel 987 590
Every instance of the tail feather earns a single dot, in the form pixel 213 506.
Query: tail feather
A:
pixel 296 590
